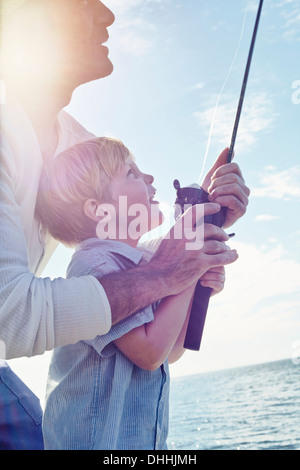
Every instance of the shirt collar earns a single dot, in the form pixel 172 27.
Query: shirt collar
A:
pixel 112 246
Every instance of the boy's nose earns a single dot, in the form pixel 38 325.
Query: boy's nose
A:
pixel 148 178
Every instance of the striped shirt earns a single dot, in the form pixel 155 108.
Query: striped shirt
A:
pixel 96 397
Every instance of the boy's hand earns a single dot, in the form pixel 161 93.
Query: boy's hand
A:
pixel 215 279
pixel 226 186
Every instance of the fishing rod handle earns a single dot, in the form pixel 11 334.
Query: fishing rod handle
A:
pixel 197 318
pixel 196 195
pixel 201 299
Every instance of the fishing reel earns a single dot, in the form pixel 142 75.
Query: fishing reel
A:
pixel 192 195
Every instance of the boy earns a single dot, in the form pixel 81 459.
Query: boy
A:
pixel 112 392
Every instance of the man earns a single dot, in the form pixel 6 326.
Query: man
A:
pixel 48 48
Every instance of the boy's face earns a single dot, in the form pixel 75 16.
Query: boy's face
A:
pixel 133 189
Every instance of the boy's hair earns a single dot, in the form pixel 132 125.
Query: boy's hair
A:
pixel 79 173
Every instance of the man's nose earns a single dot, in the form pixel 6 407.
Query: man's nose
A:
pixel 103 15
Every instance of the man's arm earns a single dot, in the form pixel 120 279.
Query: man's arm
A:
pixel 39 314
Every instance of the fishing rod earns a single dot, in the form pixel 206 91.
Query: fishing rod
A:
pixel 196 195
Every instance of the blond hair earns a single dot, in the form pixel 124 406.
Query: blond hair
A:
pixel 79 173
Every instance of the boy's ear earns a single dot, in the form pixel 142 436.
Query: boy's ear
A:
pixel 90 208
pixel 98 212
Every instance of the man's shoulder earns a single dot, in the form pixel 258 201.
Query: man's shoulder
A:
pixel 70 126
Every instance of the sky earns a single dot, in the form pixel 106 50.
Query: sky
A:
pixel 171 59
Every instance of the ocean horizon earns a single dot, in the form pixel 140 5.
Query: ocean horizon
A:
pixel 254 407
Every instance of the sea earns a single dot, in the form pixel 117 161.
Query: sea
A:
pixel 247 408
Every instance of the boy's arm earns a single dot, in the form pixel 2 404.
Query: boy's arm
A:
pixel 178 349
pixel 214 278
pixel 149 345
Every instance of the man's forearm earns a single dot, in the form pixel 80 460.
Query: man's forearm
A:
pixel 132 290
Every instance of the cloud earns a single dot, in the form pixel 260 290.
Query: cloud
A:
pixel 252 6
pixel 256 318
pixel 135 44
pixel 199 85
pixel 260 274
pixel 124 7
pixel 258 116
pixel 279 184
pixel 265 218
pixel 260 302
pixel 133 32
pixel 290 12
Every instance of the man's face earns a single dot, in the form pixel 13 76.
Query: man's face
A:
pixel 62 39
pixel 82 29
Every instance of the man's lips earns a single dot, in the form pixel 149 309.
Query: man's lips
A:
pixel 102 39
pixel 105 49
pixel 100 43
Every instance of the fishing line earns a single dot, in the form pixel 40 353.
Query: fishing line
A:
pixel 221 93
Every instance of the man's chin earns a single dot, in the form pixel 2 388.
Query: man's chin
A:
pixel 98 72
pixel 106 69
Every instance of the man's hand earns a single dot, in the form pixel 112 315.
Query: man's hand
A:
pixel 172 269
pixel 181 267
pixel 226 186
